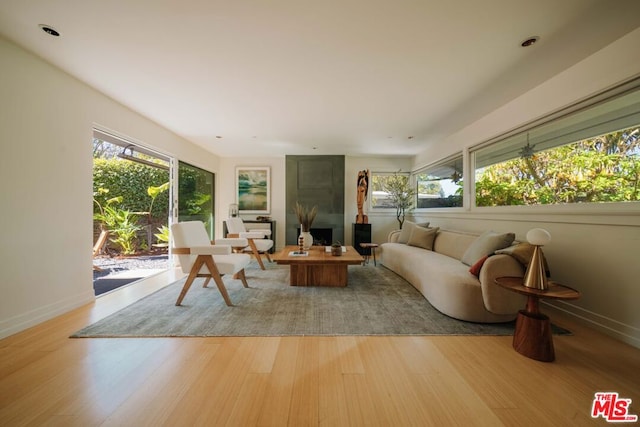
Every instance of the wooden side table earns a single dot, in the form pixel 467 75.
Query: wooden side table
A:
pixel 532 336
pixel 372 247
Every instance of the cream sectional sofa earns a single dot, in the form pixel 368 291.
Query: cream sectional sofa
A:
pixel 445 281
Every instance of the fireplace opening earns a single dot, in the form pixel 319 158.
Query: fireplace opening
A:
pixel 321 236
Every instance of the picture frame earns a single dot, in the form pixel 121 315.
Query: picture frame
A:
pixel 253 189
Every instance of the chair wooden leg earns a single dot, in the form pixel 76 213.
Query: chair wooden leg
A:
pixel 254 249
pixel 206 282
pixel 240 275
pixel 192 276
pixel 217 278
pixel 268 257
pixel 259 258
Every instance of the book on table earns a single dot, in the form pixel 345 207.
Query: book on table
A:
pixel 298 253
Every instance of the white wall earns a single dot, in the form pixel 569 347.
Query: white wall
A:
pixel 46 184
pixel 594 252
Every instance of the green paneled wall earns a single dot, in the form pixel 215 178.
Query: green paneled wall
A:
pixel 315 181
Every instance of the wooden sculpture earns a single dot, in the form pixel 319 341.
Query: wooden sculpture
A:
pixel 363 189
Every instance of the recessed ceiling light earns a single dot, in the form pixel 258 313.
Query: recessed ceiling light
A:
pixel 49 30
pixel 529 41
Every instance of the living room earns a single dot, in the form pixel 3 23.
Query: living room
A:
pixel 49 116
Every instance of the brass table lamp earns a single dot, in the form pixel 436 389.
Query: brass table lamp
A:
pixel 536 276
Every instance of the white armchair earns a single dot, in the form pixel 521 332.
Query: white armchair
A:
pixel 258 243
pixel 199 258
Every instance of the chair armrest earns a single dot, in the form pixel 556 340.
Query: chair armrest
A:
pixel 497 299
pixel 233 242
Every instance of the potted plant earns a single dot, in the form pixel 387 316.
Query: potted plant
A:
pixel 401 195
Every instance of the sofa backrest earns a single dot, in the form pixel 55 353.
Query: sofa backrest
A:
pixel 453 243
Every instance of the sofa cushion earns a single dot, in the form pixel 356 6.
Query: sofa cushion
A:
pixel 423 237
pixel 453 243
pixel 523 253
pixel 407 228
pixel 487 243
pixel 475 268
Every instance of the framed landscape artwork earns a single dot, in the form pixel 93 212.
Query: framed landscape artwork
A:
pixel 253 189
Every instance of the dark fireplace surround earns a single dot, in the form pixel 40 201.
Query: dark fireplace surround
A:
pixel 321 236
pixel 316 181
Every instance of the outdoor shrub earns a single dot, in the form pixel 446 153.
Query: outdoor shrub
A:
pixel 130 181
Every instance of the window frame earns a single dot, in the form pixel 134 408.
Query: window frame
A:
pixel 461 155
pixel 382 210
pixel 598 212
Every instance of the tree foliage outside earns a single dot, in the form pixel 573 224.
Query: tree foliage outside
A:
pixel 192 201
pixel 400 194
pixel 131 200
pixel 601 169
pixel 195 195
pixel 105 150
pixel 131 181
pixel 376 190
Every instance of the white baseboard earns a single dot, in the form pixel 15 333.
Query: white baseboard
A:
pixel 618 330
pixel 24 321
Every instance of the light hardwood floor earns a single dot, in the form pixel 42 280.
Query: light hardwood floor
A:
pixel 47 378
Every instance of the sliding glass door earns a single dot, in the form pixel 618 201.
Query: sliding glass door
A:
pixel 131 194
pixel 196 190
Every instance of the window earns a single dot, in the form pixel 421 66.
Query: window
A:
pixel 440 185
pixel 196 196
pixel 589 156
pixel 378 187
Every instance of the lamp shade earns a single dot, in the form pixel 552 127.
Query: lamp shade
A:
pixel 538 237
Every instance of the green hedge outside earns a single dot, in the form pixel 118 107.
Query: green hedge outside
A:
pixel 130 181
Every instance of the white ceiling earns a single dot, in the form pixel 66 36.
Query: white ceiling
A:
pixel 355 77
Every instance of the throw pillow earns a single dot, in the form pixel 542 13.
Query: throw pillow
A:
pixel 487 243
pixel 523 253
pixel 475 268
pixel 422 237
pixel 407 228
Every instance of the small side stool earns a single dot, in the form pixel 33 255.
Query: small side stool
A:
pixel 372 249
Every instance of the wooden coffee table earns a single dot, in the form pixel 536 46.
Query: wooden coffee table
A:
pixel 318 268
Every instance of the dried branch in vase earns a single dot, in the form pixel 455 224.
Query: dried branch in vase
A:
pixel 305 216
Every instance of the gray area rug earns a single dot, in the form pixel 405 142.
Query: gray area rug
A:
pixel 376 302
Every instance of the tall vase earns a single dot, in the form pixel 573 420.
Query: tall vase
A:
pixel 307 239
